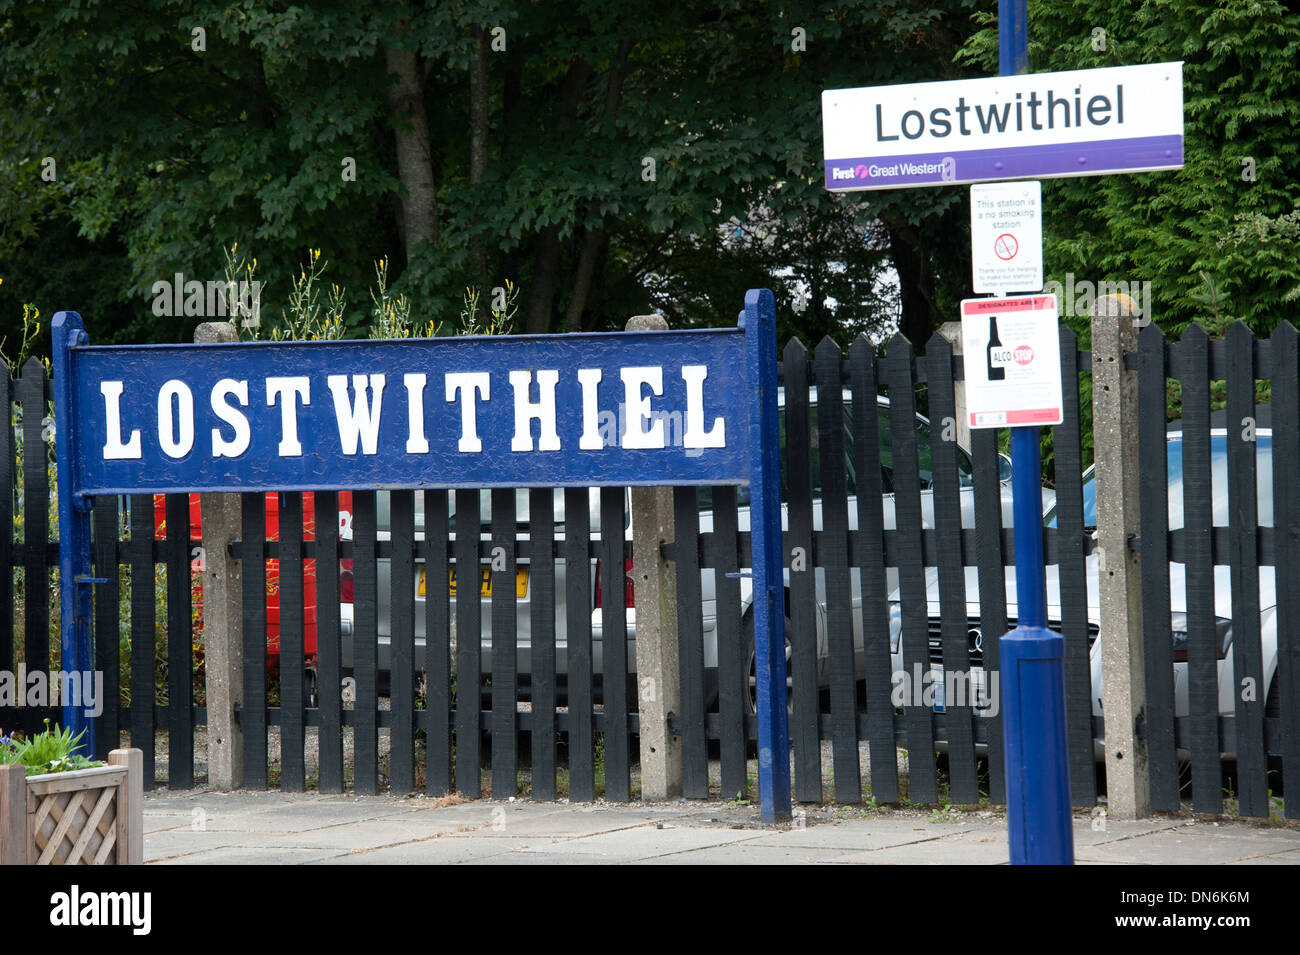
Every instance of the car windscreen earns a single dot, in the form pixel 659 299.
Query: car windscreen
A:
pixel 1218 484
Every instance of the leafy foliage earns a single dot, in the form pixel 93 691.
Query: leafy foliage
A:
pixel 50 751
pixel 1217 239
pixel 167 141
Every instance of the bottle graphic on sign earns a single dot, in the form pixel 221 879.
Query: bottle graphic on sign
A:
pixel 996 373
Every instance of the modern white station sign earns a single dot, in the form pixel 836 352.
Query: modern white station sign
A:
pixel 1032 125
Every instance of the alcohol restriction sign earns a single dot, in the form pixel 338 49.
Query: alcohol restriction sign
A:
pixel 1006 236
pixel 1012 357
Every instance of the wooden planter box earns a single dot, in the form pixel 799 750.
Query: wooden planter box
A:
pixel 85 817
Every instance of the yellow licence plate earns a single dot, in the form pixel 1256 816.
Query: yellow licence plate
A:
pixel 485 582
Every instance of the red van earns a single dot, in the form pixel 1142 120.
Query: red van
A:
pixel 272 570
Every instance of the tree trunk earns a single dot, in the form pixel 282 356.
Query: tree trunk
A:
pixel 919 316
pixel 593 245
pixel 479 100
pixel 419 202
pixel 546 261
pixel 594 241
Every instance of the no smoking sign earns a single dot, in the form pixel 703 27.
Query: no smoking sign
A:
pixel 1006 229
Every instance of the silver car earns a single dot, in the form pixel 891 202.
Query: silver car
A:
pixel 524 590
pixel 1223 621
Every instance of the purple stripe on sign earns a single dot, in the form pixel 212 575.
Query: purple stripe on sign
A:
pixel 1016 162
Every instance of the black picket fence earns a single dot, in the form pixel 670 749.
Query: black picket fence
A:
pixel 1231 688
pixel 883 513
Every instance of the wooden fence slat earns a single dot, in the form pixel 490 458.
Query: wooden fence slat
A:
pixel 107 622
pixel 733 649
pixel 437 645
pixel 918 720
pixel 1198 521
pixel 834 558
pixel 36 530
pixel 8 478
pixel 578 598
pixel 180 646
pixel 401 676
pixel 613 617
pixel 504 643
pixel 1283 700
pixel 690 646
pixel 1073 580
pixel 1153 498
pixel 963 778
pixel 293 773
pixel 365 641
pixel 802 633
pixel 469 647
pixel 252 716
pixel 1243 520
pixel 143 633
pixel 541 626
pixel 991 578
pixel 329 660
pixel 873 585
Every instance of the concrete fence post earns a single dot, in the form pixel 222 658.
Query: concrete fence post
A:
pixel 223 620
pixel 1115 430
pixel 952 332
pixel 655 590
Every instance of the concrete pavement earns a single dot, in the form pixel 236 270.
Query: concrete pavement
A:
pixel 205 828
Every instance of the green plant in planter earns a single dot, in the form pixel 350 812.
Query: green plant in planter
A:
pixel 50 751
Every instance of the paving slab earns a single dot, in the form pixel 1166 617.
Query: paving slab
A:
pixel 201 827
pixel 751 853
pixel 435 851
pixel 642 842
pixel 260 855
pixel 987 846
pixel 867 834
pixel 1200 843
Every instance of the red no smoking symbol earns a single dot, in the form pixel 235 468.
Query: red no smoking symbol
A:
pixel 1005 246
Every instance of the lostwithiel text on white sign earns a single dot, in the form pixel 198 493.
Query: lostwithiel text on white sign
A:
pixel 1032 125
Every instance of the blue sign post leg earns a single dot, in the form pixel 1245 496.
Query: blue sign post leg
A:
pixel 1033 687
pixel 1033 657
pixel 759 321
pixel 77 683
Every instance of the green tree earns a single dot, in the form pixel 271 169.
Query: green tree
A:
pixel 602 159
pixel 1218 239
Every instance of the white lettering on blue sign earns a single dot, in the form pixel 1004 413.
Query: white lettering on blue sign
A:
pixel 359 404
pixel 543 410
pixel 288 391
pixel 115 449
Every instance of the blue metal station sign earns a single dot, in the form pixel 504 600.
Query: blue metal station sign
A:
pixel 626 408
pixel 653 407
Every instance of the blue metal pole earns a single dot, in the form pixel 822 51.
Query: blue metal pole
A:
pixel 76 663
pixel 1013 37
pixel 1032 657
pixel 759 322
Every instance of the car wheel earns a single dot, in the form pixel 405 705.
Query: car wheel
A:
pixel 751 669
pixel 310 689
